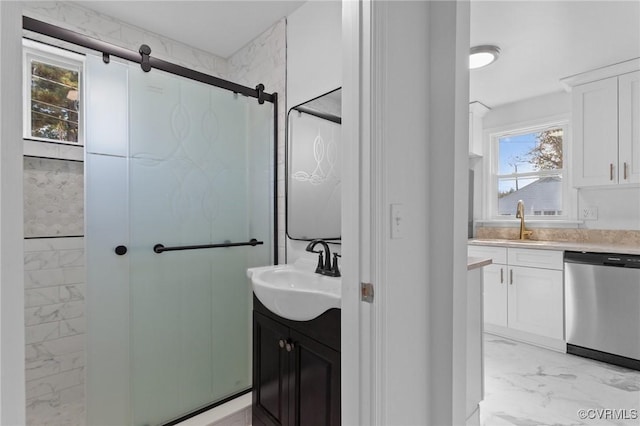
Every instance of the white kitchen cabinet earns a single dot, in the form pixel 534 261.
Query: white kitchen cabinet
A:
pixel 595 132
pixel 606 123
pixel 524 294
pixel 629 127
pixel 536 301
pixel 495 295
pixel 477 111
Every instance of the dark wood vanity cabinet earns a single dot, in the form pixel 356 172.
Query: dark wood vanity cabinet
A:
pixel 296 369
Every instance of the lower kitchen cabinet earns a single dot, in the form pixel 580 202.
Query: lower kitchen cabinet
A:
pixel 495 294
pixel 536 301
pixel 524 294
pixel 296 369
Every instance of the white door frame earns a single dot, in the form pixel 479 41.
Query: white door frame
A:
pixel 12 349
pixel 436 350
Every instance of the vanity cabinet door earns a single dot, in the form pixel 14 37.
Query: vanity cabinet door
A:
pixel 314 398
pixel 495 294
pixel 270 372
pixel 296 378
pixel 536 301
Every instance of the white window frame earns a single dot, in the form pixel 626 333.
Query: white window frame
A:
pixel 491 164
pixel 34 51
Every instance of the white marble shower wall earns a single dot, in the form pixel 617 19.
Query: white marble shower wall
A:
pixel 55 330
pixel 54 283
pixel 53 197
pixel 264 61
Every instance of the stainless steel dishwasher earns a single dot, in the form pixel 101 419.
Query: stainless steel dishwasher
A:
pixel 602 301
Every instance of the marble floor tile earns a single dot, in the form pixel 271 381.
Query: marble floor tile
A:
pixel 530 386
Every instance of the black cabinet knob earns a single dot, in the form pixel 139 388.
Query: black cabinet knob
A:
pixel 121 250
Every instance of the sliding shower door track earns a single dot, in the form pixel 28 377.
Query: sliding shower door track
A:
pixel 69 36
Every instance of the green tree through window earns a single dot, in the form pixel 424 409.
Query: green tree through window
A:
pixel 54 102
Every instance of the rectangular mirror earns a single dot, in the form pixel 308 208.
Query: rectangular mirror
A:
pixel 313 168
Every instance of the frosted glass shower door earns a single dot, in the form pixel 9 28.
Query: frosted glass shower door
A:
pixel 175 162
pixel 198 173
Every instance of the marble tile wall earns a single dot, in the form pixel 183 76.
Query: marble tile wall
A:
pixel 55 330
pixel 102 27
pixel 264 61
pixel 53 197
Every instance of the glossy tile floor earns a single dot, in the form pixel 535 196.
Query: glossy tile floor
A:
pixel 530 386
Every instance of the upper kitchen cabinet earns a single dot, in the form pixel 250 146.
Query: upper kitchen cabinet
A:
pixel 477 111
pixel 629 127
pixel 606 125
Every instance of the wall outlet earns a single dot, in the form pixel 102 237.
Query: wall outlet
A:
pixel 589 213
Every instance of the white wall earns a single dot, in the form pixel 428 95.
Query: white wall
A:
pixel 12 387
pixel 314 66
pixel 618 208
pixel 528 110
pixel 314 40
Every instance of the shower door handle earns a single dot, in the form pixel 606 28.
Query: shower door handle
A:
pixel 121 250
pixel 160 248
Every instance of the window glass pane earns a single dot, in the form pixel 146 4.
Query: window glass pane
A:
pixel 529 152
pixel 547 154
pixel 54 102
pixel 541 196
pixel 514 153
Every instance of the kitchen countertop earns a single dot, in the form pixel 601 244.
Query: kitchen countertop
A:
pixel 557 245
pixel 477 262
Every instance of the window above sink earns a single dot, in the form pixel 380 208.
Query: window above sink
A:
pixel 527 162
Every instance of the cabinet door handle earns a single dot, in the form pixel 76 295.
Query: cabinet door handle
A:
pixel 511 277
pixel 290 346
pixel 281 343
pixel 501 275
pixel 610 171
pixel 625 171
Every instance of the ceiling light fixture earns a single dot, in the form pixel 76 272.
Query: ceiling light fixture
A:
pixel 481 56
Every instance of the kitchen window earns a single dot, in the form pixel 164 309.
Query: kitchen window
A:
pixel 529 165
pixel 52 94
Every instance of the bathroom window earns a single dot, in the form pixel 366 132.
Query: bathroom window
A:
pixel 52 94
pixel 528 165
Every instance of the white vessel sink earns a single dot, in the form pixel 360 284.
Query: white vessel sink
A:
pixel 294 291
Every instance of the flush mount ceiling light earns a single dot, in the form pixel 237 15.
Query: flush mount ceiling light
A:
pixel 481 56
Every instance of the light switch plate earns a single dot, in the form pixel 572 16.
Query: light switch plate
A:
pixel 397 221
pixel 589 213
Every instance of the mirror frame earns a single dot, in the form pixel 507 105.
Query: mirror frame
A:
pixel 330 117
